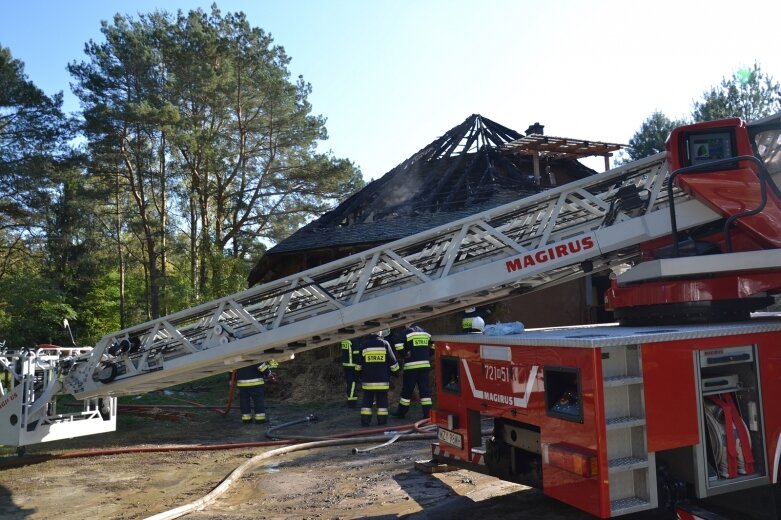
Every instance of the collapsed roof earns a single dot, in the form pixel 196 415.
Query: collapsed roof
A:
pixel 471 168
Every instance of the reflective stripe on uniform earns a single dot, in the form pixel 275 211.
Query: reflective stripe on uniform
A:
pixel 419 339
pixel 404 402
pixel 250 382
pixel 375 386
pixel 409 365
pixel 347 349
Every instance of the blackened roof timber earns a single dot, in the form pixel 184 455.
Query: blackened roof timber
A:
pixel 466 170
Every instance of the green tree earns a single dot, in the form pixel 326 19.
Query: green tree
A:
pixel 244 141
pixel 32 309
pixel 749 94
pixel 651 136
pixel 196 123
pixel 35 162
pixel 124 120
pixel 32 131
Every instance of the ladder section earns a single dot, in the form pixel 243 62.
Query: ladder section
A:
pixel 631 469
pixel 542 240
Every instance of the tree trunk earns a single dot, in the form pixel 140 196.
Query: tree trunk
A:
pixel 194 244
pixel 163 215
pixel 120 254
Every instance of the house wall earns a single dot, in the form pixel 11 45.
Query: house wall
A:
pixel 561 305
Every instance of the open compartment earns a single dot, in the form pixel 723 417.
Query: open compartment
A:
pixel 730 455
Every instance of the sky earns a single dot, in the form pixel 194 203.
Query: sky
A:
pixel 392 76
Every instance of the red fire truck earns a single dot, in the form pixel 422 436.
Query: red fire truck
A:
pixel 679 402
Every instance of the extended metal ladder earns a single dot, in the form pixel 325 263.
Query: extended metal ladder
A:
pixel 533 243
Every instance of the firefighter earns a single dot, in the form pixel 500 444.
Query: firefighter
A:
pixel 250 381
pixel 477 326
pixel 374 364
pixel 416 352
pixel 396 339
pixel 6 380
pixel 350 352
pixel 467 321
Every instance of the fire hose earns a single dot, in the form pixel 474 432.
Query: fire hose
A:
pixel 258 459
pixel 409 432
pixel 415 431
pixel 27 460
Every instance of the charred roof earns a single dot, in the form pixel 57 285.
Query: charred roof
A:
pixel 469 169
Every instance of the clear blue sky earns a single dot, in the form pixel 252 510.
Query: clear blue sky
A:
pixel 391 76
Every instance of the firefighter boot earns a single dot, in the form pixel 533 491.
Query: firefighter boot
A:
pixel 426 406
pixel 382 416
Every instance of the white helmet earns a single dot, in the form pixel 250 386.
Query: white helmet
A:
pixel 384 333
pixel 478 324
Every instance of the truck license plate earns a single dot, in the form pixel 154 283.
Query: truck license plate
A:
pixel 452 438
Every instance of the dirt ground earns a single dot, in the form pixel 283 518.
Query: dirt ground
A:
pixel 328 483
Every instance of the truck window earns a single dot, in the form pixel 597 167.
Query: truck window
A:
pixel 450 375
pixel 563 393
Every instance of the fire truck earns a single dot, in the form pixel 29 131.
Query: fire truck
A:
pixel 680 399
pixel 599 417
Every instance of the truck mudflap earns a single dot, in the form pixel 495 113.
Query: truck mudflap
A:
pixel 687 511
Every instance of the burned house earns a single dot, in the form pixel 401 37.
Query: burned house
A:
pixel 473 167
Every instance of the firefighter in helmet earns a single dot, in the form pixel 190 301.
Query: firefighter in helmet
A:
pixel 416 352
pixel 471 317
pixel 350 352
pixel 477 326
pixel 250 381
pixel 374 364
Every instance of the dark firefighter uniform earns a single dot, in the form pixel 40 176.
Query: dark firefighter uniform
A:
pixel 350 352
pixel 416 353
pixel 250 381
pixel 375 364
pixel 6 379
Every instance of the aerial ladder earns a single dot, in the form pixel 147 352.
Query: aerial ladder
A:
pixel 592 225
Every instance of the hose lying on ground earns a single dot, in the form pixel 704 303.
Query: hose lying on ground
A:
pixel 280 440
pixel 421 426
pixel 258 459
pixel 415 431
pixel 387 443
pixel 27 460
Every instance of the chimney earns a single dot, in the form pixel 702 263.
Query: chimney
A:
pixel 536 128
